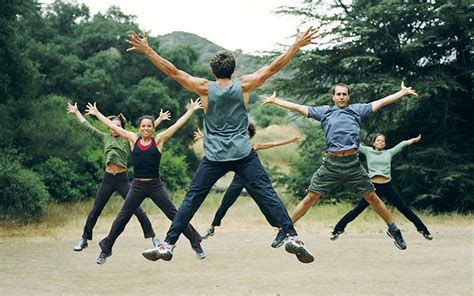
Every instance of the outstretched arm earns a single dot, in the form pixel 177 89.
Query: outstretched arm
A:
pixel 91 109
pixel 285 104
pixel 414 140
pixel 162 137
pixel 404 91
pixel 253 81
pixel 261 146
pixel 191 83
pixel 162 117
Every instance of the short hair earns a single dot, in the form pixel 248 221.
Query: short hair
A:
pixel 150 117
pixel 223 64
pixel 375 138
pixel 343 85
pixel 252 130
pixel 120 117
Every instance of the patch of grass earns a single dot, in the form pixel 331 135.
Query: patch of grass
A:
pixel 68 219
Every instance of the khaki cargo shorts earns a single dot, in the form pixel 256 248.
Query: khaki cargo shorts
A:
pixel 335 170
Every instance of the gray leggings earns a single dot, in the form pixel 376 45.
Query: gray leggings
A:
pixel 137 193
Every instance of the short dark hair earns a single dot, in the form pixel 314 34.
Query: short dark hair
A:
pixel 223 64
pixel 252 130
pixel 120 117
pixel 343 85
pixel 375 138
pixel 150 117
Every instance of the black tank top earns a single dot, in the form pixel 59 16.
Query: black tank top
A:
pixel 146 160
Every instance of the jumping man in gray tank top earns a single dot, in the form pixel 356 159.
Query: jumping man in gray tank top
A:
pixel 226 146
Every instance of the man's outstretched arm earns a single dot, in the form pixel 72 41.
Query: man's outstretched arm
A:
pixel 404 91
pixel 193 84
pixel 252 81
pixel 285 104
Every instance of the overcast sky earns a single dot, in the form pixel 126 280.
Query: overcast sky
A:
pixel 249 25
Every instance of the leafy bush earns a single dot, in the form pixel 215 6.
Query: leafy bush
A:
pixel 64 182
pixel 23 195
pixel 173 171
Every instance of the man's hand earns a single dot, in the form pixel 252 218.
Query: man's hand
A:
pixel 137 43
pixel 305 38
pixel 269 100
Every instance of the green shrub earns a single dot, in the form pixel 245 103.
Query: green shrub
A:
pixel 173 172
pixel 64 182
pixel 23 195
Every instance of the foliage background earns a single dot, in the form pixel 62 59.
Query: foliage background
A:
pixel 60 53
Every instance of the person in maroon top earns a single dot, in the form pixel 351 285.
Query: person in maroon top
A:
pixel 146 156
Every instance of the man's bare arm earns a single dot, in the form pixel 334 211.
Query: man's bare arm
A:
pixel 252 81
pixel 193 84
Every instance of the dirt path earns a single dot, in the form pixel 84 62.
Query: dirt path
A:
pixel 241 262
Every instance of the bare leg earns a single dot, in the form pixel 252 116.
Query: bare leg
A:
pixel 379 206
pixel 304 206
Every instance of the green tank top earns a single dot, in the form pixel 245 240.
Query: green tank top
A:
pixel 225 124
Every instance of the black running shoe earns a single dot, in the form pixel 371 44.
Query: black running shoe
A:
pixel 81 245
pixel 426 234
pixel 279 239
pixel 102 258
pixel 335 234
pixel 397 238
pixel 295 246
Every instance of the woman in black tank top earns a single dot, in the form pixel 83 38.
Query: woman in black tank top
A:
pixel 146 156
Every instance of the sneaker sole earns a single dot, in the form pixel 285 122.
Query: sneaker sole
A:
pixel 102 262
pixel 301 253
pixel 152 256
pixel 395 242
pixel 426 237
pixel 166 256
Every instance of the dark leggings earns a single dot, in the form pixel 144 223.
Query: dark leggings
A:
pixel 111 183
pixel 137 193
pixel 231 195
pixel 391 194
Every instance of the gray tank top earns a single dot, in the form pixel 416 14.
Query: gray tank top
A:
pixel 225 124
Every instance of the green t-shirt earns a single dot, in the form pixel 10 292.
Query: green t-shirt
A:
pixel 116 150
pixel 378 161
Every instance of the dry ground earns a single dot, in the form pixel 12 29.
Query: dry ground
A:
pixel 241 262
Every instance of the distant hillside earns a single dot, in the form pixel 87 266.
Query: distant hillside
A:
pixel 245 63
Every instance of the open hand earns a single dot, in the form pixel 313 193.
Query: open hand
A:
pixel 164 115
pixel 407 91
pixel 91 109
pixel 137 43
pixel 198 135
pixel 307 37
pixel 72 108
pixel 195 105
pixel 269 100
